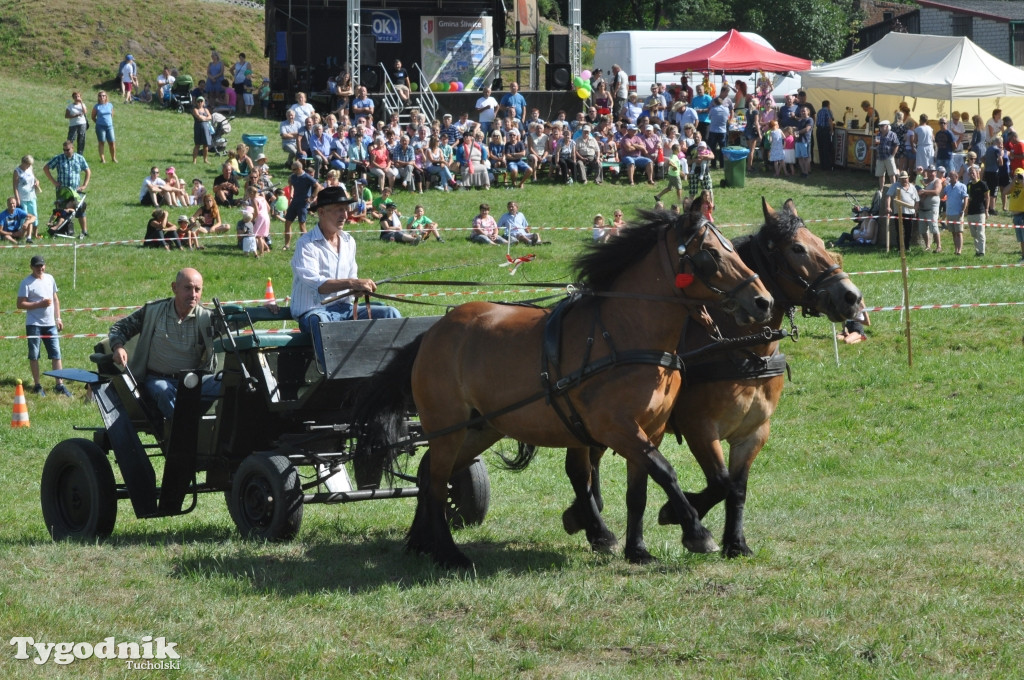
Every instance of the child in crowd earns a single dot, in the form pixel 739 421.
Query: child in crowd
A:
pixel 244 231
pixel 198 190
pixel 618 222
pixel 600 233
pixel 186 233
pixel 676 171
pixel 61 223
pixel 265 97
pixel 776 141
pixel 279 206
pixel 247 95
pixel 700 175
pixel 421 225
pixel 788 150
pixel 146 95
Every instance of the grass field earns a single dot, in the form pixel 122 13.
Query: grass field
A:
pixel 883 513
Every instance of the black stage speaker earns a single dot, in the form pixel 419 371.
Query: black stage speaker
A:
pixel 558 77
pixel 369 72
pixel 558 49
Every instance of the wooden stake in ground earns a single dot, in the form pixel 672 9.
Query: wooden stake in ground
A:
pixel 906 285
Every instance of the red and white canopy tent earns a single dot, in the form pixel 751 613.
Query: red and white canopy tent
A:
pixel 732 53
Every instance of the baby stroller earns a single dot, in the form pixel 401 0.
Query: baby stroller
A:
pixel 221 127
pixel 62 221
pixel 181 94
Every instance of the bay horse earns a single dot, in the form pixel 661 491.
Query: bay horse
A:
pixel 727 396
pixel 605 367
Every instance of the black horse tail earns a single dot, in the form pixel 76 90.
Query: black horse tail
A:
pixel 525 453
pixel 381 403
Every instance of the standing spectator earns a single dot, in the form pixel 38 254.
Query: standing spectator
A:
pixel 804 126
pixel 15 223
pixel 978 139
pixel 996 165
pixel 994 127
pixel 701 104
pixel 977 209
pixel 201 132
pixel 70 167
pixel 362 105
pixel 906 192
pixel 620 91
pixel 602 99
pixel 264 95
pixel 304 190
pixel 239 72
pixel 26 186
pixel 655 104
pixel 486 109
pixel 302 108
pixel 826 124
pixel 1016 208
pixel 75 113
pixel 214 77
pixel 290 130
pixel 129 75
pixel 513 102
pixel 516 228
pixel 718 129
pixel 485 229
pixel 928 216
pixel 955 194
pixel 958 130
pixel 945 145
pixel 776 150
pixel 103 117
pixel 900 129
pixel 37 296
pixel 924 144
pixel 885 145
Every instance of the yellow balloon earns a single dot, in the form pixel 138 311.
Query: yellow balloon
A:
pixel 582 93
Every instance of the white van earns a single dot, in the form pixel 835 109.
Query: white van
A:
pixel 638 51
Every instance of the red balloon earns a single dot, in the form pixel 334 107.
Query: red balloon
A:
pixel 453 86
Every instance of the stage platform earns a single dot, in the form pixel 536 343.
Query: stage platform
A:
pixel 455 103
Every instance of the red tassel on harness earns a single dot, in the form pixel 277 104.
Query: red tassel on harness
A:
pixel 683 280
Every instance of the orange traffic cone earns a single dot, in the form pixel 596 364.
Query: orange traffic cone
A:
pixel 19 418
pixel 268 295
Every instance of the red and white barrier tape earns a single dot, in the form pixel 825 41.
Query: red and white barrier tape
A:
pixel 940 269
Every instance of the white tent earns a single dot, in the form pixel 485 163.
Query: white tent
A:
pixel 934 74
pixel 922 66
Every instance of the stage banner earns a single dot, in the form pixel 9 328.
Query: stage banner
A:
pixel 386 25
pixel 526 15
pixel 458 49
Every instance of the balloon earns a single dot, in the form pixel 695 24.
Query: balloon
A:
pixel 577 82
pixel 415 87
pixel 582 93
pixel 460 86
pixel 585 74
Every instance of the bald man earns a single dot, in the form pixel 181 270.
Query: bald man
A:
pixel 174 335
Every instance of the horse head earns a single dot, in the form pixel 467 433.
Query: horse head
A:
pixel 802 271
pixel 711 270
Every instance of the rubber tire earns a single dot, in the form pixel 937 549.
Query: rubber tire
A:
pixel 265 500
pixel 469 496
pixel 78 493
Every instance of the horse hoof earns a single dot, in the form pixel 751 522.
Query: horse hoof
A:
pixel 570 521
pixel 607 544
pixel 734 550
pixel 639 556
pixel 666 515
pixel 455 562
pixel 704 544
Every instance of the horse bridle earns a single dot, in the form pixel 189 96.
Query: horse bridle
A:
pixel 812 289
pixel 703 263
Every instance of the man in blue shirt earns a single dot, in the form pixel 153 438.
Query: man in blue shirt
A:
pixel 701 104
pixel 513 100
pixel 70 167
pixel 955 194
pixel 718 129
pixel 15 223
pixel 304 190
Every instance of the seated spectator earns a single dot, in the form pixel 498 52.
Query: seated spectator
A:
pixel 391 226
pixel 600 232
pixel 208 217
pixel 145 95
pixel 538 147
pixel 16 223
pixel 485 229
pixel 198 191
pixel 154 189
pixel 496 154
pixel 187 233
pixel 632 154
pixel 565 155
pixel 320 149
pixel 853 330
pixel 245 163
pixel 290 129
pixel 225 187
pixel 515 159
pixel 380 165
pixel 437 165
pixel 421 225
pixel 516 228
pixel 587 156
pixel 471 155
pixel 165 83
pixel 160 233
pixel 175 190
pixel 403 157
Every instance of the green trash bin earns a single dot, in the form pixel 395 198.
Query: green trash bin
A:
pixel 735 158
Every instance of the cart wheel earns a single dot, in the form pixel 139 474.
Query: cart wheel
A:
pixel 181 109
pixel 265 500
pixel 469 496
pixel 78 494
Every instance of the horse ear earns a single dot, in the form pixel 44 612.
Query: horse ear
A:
pixel 769 213
pixel 790 207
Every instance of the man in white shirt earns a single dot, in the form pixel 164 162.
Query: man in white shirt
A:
pixel 486 108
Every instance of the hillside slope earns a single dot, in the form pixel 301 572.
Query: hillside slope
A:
pixel 80 44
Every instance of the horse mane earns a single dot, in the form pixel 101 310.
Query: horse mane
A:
pixel 600 264
pixel 781 229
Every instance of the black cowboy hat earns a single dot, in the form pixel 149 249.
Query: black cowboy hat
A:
pixel 331 196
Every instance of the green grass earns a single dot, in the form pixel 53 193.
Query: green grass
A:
pixel 883 511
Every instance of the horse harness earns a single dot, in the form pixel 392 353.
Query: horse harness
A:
pixel 779 268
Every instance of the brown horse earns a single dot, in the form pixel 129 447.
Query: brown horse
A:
pixel 729 396
pixel 606 367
